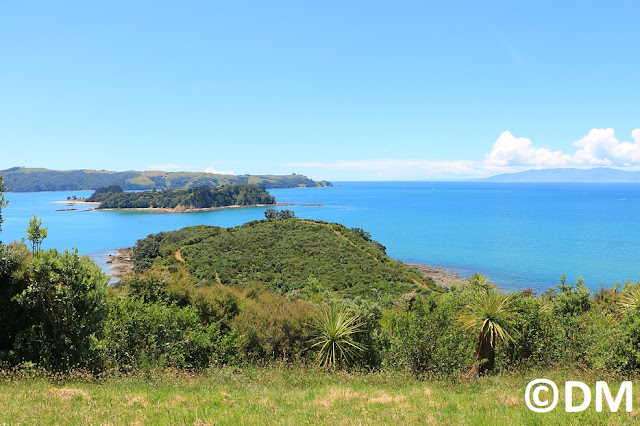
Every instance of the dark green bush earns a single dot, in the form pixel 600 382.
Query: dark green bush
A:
pixel 271 327
pixel 64 303
pixel 14 259
pixel 143 335
pixel 424 337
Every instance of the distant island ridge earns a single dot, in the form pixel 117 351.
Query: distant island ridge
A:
pixel 21 179
pixel 598 174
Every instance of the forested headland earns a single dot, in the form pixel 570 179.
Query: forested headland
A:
pixel 21 179
pixel 202 197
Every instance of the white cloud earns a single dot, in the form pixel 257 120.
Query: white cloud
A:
pixel 218 172
pixel 508 154
pixel 163 167
pixel 601 148
pixel 598 148
pixel 511 151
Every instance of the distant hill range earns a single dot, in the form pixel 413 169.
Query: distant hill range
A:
pixel 599 174
pixel 20 179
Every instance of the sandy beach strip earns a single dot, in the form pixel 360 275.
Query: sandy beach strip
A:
pixel 95 203
pixel 163 209
pixel 186 210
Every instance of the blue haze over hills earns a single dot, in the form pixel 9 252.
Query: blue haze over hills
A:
pixel 599 174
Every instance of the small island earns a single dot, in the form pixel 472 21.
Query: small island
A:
pixel 202 198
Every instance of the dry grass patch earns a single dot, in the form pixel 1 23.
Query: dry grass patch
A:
pixel 337 394
pixel 68 394
pixel 267 402
pixel 510 400
pixel 141 400
pixel 385 398
pixel 177 399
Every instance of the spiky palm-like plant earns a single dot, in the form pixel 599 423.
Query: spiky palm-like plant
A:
pixel 488 313
pixel 630 299
pixel 481 281
pixel 334 330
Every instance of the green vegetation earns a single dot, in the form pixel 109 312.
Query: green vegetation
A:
pixel 287 289
pixel 487 312
pixel 297 258
pixel 36 234
pixel 202 197
pixel 279 214
pixel 63 306
pixel 228 324
pixel 334 330
pixel 283 394
pixel 53 306
pixel 19 179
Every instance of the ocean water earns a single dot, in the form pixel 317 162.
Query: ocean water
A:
pixel 523 235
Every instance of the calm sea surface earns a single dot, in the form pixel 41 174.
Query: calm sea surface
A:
pixel 521 235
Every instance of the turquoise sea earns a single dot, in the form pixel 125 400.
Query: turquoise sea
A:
pixel 523 235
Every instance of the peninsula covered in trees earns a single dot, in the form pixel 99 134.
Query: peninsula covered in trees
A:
pixel 202 197
pixel 308 258
pixel 21 179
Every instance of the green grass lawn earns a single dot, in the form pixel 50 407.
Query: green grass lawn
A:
pixel 291 396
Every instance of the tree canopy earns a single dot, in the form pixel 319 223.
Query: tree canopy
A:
pixel 193 198
pixel 304 256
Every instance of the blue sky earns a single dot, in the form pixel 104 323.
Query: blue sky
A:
pixel 338 90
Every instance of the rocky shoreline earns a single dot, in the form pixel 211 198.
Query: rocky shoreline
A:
pixel 443 277
pixel 122 262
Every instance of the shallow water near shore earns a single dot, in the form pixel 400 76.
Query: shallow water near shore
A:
pixel 522 235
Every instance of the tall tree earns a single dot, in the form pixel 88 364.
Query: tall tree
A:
pixel 35 233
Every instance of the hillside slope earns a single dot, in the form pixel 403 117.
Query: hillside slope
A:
pixel 19 179
pixel 283 255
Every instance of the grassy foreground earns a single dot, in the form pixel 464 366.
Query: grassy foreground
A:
pixel 287 395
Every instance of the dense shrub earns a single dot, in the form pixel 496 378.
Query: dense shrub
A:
pixel 150 286
pixel 571 300
pixel 64 305
pixel 14 259
pixel 271 327
pixel 142 335
pixel 425 338
pixel 538 341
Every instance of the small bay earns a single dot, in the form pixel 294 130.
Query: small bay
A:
pixel 523 235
